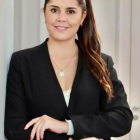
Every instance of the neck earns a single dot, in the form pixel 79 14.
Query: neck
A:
pixel 61 47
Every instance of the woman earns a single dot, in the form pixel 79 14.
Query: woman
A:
pixel 41 77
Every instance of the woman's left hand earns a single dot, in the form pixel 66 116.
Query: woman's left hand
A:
pixel 45 122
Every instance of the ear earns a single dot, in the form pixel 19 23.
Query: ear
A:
pixel 44 10
pixel 84 16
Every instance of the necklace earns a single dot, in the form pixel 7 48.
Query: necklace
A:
pixel 61 73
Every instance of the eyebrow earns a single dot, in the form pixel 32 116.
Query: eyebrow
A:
pixel 66 8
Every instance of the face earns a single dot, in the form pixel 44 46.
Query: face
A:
pixel 58 13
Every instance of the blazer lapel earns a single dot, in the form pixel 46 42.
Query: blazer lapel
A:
pixel 50 84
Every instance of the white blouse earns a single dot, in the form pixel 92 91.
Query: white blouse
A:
pixel 66 94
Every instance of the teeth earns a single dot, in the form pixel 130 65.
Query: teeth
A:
pixel 61 27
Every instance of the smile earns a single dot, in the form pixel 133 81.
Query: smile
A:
pixel 61 28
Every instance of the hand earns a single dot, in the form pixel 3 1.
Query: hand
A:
pixel 70 138
pixel 46 122
pixel 91 138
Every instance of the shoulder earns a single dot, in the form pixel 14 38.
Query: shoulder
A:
pixel 108 59
pixel 27 52
pixel 26 58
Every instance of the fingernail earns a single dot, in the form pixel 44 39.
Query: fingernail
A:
pixel 25 127
pixel 41 138
pixel 30 138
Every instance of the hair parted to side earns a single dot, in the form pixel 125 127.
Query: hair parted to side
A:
pixel 89 41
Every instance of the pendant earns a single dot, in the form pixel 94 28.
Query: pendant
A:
pixel 61 73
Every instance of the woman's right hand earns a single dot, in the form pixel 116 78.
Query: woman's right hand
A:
pixel 92 138
pixel 70 138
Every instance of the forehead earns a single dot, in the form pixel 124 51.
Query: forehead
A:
pixel 64 3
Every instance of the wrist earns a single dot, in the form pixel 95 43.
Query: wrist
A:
pixel 65 127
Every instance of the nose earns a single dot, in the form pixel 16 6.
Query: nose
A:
pixel 61 17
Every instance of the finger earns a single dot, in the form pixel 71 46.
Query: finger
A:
pixel 31 122
pixel 38 136
pixel 90 138
pixel 70 138
pixel 42 129
pixel 34 128
pixel 44 126
pixel 42 132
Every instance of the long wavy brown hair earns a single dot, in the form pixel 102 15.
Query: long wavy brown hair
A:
pixel 89 41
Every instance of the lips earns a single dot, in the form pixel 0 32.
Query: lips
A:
pixel 61 28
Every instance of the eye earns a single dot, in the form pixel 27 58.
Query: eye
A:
pixel 53 9
pixel 72 11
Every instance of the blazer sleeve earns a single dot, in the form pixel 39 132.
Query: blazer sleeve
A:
pixel 16 113
pixel 114 119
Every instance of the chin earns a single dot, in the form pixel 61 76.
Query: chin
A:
pixel 61 38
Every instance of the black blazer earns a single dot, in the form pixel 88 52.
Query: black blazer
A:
pixel 33 90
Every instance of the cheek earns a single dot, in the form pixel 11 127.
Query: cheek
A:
pixel 74 25
pixel 50 22
pixel 74 21
pixel 50 19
